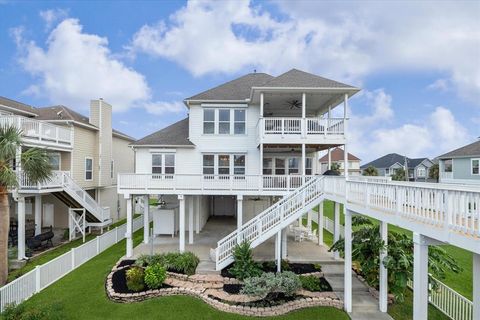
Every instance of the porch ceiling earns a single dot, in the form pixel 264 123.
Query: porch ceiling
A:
pixel 287 148
pixel 279 103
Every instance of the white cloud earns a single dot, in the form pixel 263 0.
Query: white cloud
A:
pixel 372 135
pixel 343 40
pixel 162 107
pixel 440 84
pixel 76 67
pixel 51 16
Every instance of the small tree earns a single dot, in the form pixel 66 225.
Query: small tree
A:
pixel 335 166
pixel 399 175
pixel 244 265
pixel 366 247
pixel 434 172
pixel 370 171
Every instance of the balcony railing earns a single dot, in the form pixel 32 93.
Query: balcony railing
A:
pixel 54 182
pixel 39 132
pixel 301 126
pixel 131 182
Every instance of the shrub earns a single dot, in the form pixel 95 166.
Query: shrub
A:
pixel 186 262
pixel 269 285
pixel 317 266
pixel 135 279
pixel 244 266
pixel 285 264
pixel 155 275
pixel 310 283
pixel 44 312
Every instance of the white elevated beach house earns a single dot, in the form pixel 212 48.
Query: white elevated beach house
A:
pixel 85 155
pixel 249 148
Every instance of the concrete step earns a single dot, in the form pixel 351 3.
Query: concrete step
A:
pixel 206 267
pixel 337 283
pixel 362 302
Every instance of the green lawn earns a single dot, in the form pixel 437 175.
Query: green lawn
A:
pixel 81 294
pixel 55 252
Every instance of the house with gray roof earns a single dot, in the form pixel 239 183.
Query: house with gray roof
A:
pixel 461 166
pixel 418 168
pixel 85 153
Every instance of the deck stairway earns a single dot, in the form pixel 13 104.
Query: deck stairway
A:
pixel 272 220
pixel 62 186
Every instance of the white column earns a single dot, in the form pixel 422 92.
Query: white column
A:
pixel 38 214
pixel 320 223
pixel 21 227
pixel 146 219
pixel 284 243
pixel 348 262
pixel 329 158
pixel 345 151
pixel 181 236
pixel 336 227
pixel 476 286
pixel 278 250
pixel 420 277
pixel 261 160
pixel 383 292
pixel 190 219
pixel 304 111
pixel 239 216
pixel 197 210
pixel 309 220
pixel 261 105
pixel 303 159
pixel 128 234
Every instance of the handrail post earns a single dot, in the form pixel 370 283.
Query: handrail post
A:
pixel 37 279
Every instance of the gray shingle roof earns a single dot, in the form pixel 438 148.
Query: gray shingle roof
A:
pixel 301 79
pixel 472 149
pixel 337 154
pixel 17 105
pixel 237 89
pixel 173 135
pixel 390 159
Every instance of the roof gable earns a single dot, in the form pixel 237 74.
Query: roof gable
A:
pixel 337 154
pixel 173 135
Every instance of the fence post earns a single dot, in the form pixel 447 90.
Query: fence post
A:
pixel 98 244
pixel 37 279
pixel 73 258
pixel 116 234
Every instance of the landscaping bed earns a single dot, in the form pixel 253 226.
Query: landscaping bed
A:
pixel 270 266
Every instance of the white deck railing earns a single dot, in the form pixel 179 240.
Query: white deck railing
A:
pixel 62 180
pixel 199 182
pixel 300 126
pixel 44 275
pixel 39 132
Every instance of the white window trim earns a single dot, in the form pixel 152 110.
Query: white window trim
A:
pixel 163 166
pixel 216 121
pixel 231 162
pixel 471 166
pixel 85 169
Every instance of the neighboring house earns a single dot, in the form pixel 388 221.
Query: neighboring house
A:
pixel 337 156
pixel 85 153
pixel 244 143
pixel 418 168
pixel 461 165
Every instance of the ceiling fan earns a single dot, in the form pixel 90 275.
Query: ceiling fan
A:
pixel 294 104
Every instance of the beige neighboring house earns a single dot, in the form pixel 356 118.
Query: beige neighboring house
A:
pixel 86 154
pixel 337 156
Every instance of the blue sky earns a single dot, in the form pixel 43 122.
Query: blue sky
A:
pixel 418 63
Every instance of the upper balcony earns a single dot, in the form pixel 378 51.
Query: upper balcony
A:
pixel 290 130
pixel 38 133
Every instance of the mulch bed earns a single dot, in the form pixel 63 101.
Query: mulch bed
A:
pixel 269 266
pixel 124 263
pixel 232 288
pixel 119 282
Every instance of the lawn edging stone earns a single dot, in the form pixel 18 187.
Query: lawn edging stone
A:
pixel 209 289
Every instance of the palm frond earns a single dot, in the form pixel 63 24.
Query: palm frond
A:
pixel 36 165
pixel 10 140
pixel 8 178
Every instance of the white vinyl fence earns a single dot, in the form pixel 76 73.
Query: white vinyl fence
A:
pixel 44 275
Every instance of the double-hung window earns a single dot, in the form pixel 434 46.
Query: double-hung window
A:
pixel 208 121
pixel 224 121
pixel 293 165
pixel 88 169
pixel 239 164
pixel 279 166
pixel 476 166
pixel 208 164
pixel 239 121
pixel 448 165
pixel 267 166
pixel 223 164
pixel 308 166
pixel 421 172
pixel 163 163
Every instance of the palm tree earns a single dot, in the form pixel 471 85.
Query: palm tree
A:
pixel 35 164
pixel 370 171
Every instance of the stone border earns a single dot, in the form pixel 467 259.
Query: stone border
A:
pixel 207 288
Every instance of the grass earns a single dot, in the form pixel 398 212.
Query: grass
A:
pixel 55 252
pixel 404 311
pixel 82 296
